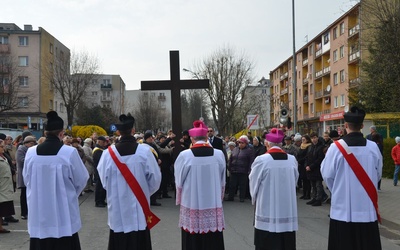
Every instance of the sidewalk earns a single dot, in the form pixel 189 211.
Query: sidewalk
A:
pixel 389 201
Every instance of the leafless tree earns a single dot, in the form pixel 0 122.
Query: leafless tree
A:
pixel 71 77
pixel 149 115
pixel 10 76
pixel 229 73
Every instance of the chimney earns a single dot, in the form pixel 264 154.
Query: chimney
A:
pixel 28 27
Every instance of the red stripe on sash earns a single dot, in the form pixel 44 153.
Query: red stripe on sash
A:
pixel 151 219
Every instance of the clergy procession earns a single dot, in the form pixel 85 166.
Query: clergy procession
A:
pixel 134 175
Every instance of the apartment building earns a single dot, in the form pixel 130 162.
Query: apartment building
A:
pixel 107 91
pixel 32 53
pixel 326 68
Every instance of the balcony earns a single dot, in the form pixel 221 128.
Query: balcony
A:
pixel 354 82
pixel 305 81
pixel 305 62
pixel 305 99
pixel 318 74
pixel 106 98
pixel 284 76
pixel 353 57
pixel 5 48
pixel 318 94
pixel 355 30
pixel 106 86
pixel 284 91
pixel 327 93
pixel 305 116
pixel 318 53
pixel 326 70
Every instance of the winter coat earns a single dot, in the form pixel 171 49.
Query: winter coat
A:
pixel 241 160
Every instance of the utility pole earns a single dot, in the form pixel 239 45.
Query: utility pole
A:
pixel 294 73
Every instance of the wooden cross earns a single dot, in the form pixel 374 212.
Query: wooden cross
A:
pixel 175 85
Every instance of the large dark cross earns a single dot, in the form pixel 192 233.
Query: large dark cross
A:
pixel 175 85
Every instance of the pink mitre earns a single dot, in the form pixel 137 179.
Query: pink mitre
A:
pixel 275 135
pixel 199 129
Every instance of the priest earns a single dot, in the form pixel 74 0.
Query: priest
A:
pixel 273 180
pixel 200 185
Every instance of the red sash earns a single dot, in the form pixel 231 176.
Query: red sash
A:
pixel 360 174
pixel 151 219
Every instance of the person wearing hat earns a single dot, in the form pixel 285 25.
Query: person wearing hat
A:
pixel 99 191
pixel 396 158
pixel 28 142
pixel 200 181
pixel 289 147
pixel 353 214
pixel 258 146
pixel 273 179
pixel 126 216
pixel 239 168
pixel 185 140
pixel 52 194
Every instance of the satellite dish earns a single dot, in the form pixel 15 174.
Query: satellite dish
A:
pixel 346 108
pixel 328 88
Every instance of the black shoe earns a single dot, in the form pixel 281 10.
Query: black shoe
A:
pixel 100 204
pixel 316 204
pixel 311 201
pixel 4 223
pixel 166 196
pixel 10 219
pixel 155 204
pixel 324 198
pixel 302 197
pixel 306 197
pixel 228 199
pixel 24 217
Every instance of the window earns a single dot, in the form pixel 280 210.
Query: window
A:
pixel 51 48
pixel 61 108
pixel 341 52
pixel 334 33
pixel 55 105
pixel 342 28
pixel 94 93
pixel 51 104
pixel 311 50
pixel 23 81
pixel 23 61
pixel 312 108
pixel 342 77
pixel 335 79
pixel 23 41
pixel 335 55
pixel 335 102
pixel 3 39
pixel 311 89
pixel 106 81
pixel 4 81
pixel 22 102
pixel 342 100
pixel 326 38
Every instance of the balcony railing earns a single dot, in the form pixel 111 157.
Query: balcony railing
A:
pixel 284 91
pixel 106 86
pixel 305 116
pixel 355 55
pixel 354 30
pixel 318 74
pixel 284 76
pixel 318 94
pixel 305 62
pixel 106 98
pixel 305 81
pixel 326 70
pixel 318 52
pixel 305 99
pixel 354 82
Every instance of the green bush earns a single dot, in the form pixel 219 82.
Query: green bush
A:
pixel 388 164
pixel 87 131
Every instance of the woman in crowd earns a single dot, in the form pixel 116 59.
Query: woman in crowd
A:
pixel 301 157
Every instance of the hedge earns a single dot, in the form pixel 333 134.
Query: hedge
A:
pixel 87 131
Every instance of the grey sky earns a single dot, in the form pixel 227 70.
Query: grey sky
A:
pixel 133 38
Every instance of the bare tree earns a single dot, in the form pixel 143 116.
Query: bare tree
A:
pixel 71 77
pixel 149 115
pixel 10 77
pixel 229 74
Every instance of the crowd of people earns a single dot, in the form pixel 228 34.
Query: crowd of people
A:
pixel 134 170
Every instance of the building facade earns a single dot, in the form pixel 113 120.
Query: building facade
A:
pixel 326 67
pixel 31 54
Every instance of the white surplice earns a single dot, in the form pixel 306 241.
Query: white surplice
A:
pixel 124 211
pixel 53 185
pixel 273 191
pixel 200 187
pixel 350 202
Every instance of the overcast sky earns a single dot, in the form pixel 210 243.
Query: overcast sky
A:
pixel 132 38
